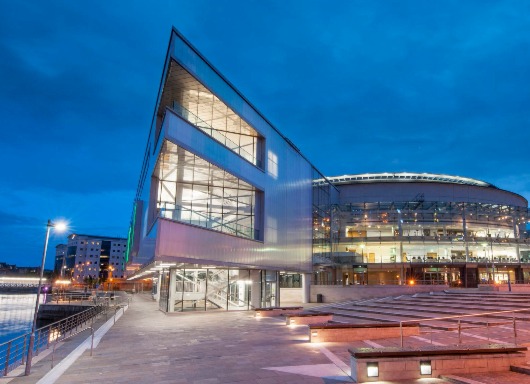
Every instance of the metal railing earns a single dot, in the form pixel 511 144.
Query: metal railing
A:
pixel 13 352
pixel 508 317
pixel 408 282
pixel 187 215
pixel 219 135
pixel 69 298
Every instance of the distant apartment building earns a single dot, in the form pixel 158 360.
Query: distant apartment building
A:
pixel 12 270
pixel 59 267
pixel 89 256
pixel 6 269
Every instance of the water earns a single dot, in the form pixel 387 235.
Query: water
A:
pixel 16 315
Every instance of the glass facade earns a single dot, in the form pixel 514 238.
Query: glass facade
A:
pixel 192 101
pixel 164 290
pixel 191 190
pixel 325 218
pixel 428 242
pixel 430 231
pixel 205 289
pixel 290 280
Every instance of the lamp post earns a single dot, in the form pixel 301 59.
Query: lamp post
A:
pixel 110 269
pixel 58 227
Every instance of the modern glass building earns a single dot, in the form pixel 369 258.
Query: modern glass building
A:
pixel 229 214
pixel 224 201
pixel 396 228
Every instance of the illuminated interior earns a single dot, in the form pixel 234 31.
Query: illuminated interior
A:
pixel 187 97
pixel 191 190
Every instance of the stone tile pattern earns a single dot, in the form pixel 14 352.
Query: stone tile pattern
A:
pixel 147 346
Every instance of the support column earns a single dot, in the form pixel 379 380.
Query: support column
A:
pixel 255 288
pixel 158 283
pixel 306 287
pixel 277 284
pixel 402 276
pixel 464 229
pixel 172 291
pixel 516 237
pixel 401 260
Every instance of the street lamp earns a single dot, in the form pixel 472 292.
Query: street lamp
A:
pixel 110 269
pixel 59 227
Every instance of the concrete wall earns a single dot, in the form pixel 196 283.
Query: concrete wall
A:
pixel 409 368
pixel 340 335
pixel 290 295
pixel 520 288
pixel 334 293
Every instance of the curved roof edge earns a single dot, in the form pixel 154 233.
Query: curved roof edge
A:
pixel 405 177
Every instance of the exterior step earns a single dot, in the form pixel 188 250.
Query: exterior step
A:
pixel 459 380
pixel 524 369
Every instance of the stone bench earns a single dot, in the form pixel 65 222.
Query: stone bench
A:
pixel 277 311
pixel 382 364
pixel 308 318
pixel 351 332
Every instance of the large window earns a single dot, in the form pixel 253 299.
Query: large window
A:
pixel 188 98
pixel 191 190
pixel 204 289
pixel 325 219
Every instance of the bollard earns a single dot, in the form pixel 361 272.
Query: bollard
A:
pixel 459 333
pixel 53 352
pixel 401 332
pixel 488 330
pixel 514 330
pixel 92 342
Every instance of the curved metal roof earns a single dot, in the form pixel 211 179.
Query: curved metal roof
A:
pixel 404 177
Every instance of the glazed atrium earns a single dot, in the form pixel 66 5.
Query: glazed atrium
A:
pixel 229 214
pixel 397 228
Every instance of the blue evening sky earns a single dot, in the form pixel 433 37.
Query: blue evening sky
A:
pixel 358 86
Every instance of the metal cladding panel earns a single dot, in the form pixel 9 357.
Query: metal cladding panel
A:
pixel 285 180
pixel 178 242
pixel 180 132
pixel 407 191
pixel 287 187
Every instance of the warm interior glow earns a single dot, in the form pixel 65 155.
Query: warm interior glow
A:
pixel 425 368
pixel 372 369
pixel 28 279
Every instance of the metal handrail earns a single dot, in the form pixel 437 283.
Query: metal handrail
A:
pixel 213 132
pixel 459 325
pixel 13 352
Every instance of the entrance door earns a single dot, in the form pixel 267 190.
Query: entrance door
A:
pixel 268 292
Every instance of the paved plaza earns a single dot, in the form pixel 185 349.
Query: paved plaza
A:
pixel 147 346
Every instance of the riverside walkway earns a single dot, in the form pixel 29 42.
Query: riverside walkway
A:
pixel 147 346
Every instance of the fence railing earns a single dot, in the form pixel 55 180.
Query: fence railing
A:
pixel 79 298
pixel 13 353
pixel 409 282
pixel 466 322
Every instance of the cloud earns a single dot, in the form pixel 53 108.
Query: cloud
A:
pixel 358 86
pixel 11 220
